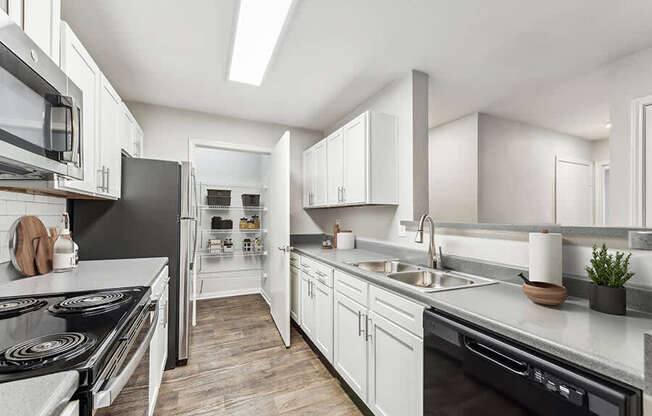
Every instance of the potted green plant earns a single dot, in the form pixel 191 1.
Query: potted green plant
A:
pixel 609 273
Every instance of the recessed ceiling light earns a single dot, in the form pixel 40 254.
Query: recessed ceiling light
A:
pixel 608 124
pixel 259 25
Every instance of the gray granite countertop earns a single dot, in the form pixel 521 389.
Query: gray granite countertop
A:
pixel 90 275
pixel 39 396
pixel 47 395
pixel 609 345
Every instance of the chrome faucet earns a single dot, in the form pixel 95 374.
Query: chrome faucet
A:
pixel 434 259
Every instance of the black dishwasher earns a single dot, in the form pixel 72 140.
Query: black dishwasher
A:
pixel 468 371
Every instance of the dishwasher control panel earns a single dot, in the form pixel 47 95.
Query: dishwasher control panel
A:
pixel 555 385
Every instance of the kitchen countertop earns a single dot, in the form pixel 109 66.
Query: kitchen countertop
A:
pixel 90 275
pixel 39 396
pixel 605 344
pixel 47 395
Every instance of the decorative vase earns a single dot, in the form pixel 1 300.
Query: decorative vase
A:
pixel 611 300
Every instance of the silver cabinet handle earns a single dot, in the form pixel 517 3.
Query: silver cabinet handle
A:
pixel 100 185
pixel 309 288
pixel 108 177
pixel 343 194
pixel 366 328
pixel 359 323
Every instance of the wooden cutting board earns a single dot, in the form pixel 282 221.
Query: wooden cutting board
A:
pixel 33 247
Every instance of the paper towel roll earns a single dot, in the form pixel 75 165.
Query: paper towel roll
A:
pixel 546 258
pixel 345 241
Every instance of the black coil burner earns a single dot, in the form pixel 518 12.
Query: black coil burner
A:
pixel 13 307
pixel 91 303
pixel 45 350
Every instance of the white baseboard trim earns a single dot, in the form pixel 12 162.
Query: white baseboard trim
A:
pixel 262 293
pixel 229 293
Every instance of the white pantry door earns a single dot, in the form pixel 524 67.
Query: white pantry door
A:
pixel 574 192
pixel 277 263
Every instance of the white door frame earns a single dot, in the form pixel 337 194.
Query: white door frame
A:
pixel 600 202
pixel 637 160
pixel 589 163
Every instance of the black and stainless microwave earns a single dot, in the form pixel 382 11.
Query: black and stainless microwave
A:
pixel 40 111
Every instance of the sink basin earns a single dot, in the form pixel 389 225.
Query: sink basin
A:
pixel 385 266
pixel 436 280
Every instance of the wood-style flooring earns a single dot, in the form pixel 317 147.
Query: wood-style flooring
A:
pixel 238 366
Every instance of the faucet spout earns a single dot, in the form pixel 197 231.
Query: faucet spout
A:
pixel 434 260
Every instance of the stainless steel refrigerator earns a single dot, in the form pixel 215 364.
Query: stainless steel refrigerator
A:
pixel 155 217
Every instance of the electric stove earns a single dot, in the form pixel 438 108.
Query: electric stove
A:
pixel 90 332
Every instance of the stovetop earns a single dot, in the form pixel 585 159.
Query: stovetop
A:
pixel 50 333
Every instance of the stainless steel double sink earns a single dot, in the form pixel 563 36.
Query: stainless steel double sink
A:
pixel 422 278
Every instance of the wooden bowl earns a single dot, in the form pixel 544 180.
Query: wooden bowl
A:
pixel 545 293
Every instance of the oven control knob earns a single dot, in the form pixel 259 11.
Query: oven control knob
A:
pixel 33 55
pixel 551 385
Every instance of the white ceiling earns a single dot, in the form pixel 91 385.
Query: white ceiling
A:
pixel 522 59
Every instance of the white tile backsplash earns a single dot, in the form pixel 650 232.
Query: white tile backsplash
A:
pixel 14 204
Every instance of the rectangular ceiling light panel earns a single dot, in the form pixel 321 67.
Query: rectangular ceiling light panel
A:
pixel 259 26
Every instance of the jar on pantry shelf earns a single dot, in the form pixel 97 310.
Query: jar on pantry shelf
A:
pixel 256 219
pixel 247 246
pixel 243 223
pixel 258 245
pixel 214 246
pixel 228 246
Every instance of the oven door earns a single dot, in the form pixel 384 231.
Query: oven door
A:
pixel 126 391
pixel 40 111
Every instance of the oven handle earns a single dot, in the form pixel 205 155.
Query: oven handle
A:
pixel 114 386
pixel 500 359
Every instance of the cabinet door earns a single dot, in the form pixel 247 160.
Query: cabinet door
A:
pixel 349 343
pixel 307 306
pixel 77 63
pixel 307 170
pixel 395 369
pixel 319 178
pixel 323 336
pixel 295 298
pixel 126 131
pixel 110 158
pixel 41 22
pixel 158 350
pixel 334 169
pixel 138 141
pixel 355 160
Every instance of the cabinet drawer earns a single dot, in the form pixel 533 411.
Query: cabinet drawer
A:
pixel 318 270
pixel 352 287
pixel 404 313
pixel 159 284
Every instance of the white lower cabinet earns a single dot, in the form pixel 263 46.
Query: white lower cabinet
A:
pixel 350 345
pixel 158 346
pixel 323 304
pixel 307 305
pixel 395 369
pixel 295 294
pixel 379 359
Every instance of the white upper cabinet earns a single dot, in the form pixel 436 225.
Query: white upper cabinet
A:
pixel 41 21
pixel 139 136
pixel 314 176
pixel 127 130
pixel 110 162
pixel 361 164
pixel 335 168
pixel 77 63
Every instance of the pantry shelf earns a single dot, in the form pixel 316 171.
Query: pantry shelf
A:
pixel 236 231
pixel 231 207
pixel 206 253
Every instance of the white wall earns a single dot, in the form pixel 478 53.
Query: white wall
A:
pixel 516 169
pixel 14 205
pixel 629 78
pixel 380 222
pixel 600 150
pixel 167 131
pixel 453 170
